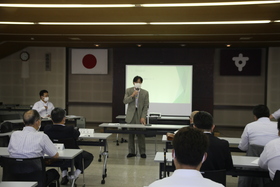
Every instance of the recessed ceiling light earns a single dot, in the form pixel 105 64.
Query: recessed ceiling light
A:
pixel 67 5
pixel 139 45
pixel 96 45
pixel 16 23
pixel 209 4
pixel 92 23
pixel 211 22
pixel 228 45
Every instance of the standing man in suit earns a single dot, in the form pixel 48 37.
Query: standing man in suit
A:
pixel 59 131
pixel 138 104
pixel 218 153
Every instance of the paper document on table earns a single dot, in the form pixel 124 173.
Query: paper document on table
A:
pixel 255 161
pixel 71 116
pixel 84 132
pixel 113 124
pixel 59 146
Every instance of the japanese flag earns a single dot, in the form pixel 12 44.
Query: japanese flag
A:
pixel 89 61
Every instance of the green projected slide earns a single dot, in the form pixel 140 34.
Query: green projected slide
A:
pixel 169 87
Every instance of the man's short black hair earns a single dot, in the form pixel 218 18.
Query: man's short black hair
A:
pixel 203 120
pixel 190 144
pixel 261 111
pixel 30 117
pixel 58 114
pixel 278 125
pixel 41 93
pixel 135 79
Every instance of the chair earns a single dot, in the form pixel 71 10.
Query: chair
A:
pixel 218 176
pixel 4 140
pixel 6 127
pixel 276 180
pixel 26 169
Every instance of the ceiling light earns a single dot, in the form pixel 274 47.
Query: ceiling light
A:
pixel 92 23
pixel 96 45
pixel 228 45
pixel 210 22
pixel 209 4
pixel 277 21
pixel 67 5
pixel 139 45
pixel 16 23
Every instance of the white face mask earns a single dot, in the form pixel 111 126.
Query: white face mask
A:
pixel 137 85
pixel 46 99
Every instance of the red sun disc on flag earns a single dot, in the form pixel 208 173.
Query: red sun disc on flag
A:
pixel 89 61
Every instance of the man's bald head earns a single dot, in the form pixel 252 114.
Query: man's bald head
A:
pixel 30 117
pixel 192 115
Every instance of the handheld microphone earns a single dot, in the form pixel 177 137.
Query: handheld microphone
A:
pixel 137 89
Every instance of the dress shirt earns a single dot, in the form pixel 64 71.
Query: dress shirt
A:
pixel 29 143
pixel 136 99
pixel 185 178
pixel 276 114
pixel 40 107
pixel 270 157
pixel 259 132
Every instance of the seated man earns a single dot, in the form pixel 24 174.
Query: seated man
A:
pixel 29 143
pixel 270 157
pixel 218 153
pixel 254 137
pixel 170 136
pixel 259 132
pixel 190 146
pixel 59 131
pixel 275 115
pixel 44 106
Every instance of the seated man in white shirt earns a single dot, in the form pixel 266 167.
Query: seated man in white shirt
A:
pixel 270 157
pixel 275 115
pixel 44 106
pixel 259 132
pixel 29 143
pixel 190 146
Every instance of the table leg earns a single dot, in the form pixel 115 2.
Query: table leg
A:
pixel 105 157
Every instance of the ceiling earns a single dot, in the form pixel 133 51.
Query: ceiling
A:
pixel 16 37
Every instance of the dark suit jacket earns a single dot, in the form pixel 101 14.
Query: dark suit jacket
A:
pixel 218 155
pixel 61 132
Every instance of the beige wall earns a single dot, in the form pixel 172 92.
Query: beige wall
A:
pixel 273 79
pixel 17 90
pixel 89 90
pixel 237 90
